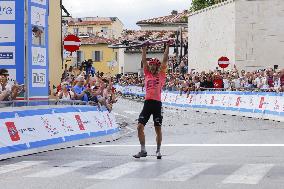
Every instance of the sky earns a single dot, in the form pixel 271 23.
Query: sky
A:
pixel 128 11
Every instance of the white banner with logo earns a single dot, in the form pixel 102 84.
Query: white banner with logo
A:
pixel 268 104
pixel 35 128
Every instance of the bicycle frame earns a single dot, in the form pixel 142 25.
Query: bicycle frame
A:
pixel 138 44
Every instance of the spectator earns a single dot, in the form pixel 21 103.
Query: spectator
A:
pixel 81 92
pixel 65 93
pixel 8 92
pixel 218 81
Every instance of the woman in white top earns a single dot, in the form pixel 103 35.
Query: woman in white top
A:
pixel 226 82
pixel 65 94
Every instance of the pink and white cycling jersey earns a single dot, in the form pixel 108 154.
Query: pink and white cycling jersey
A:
pixel 154 84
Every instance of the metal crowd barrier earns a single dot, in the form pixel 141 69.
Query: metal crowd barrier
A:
pixel 242 89
pixel 20 103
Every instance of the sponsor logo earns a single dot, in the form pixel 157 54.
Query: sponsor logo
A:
pixel 110 122
pixel 13 132
pixel 212 100
pixel 27 130
pixel 38 78
pixel 80 123
pixel 51 130
pixel 6 55
pixel 261 103
pixel 7 10
pixel 276 105
pixel 67 128
pixel 190 99
pixel 238 101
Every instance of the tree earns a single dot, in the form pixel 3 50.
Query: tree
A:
pixel 201 4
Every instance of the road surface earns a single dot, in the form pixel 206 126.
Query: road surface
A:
pixel 200 150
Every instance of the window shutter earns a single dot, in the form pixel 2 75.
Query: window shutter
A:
pixel 82 56
pixel 101 56
pixel 94 55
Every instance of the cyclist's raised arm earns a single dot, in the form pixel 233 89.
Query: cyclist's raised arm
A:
pixel 144 58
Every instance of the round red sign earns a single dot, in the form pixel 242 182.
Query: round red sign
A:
pixel 223 62
pixel 72 43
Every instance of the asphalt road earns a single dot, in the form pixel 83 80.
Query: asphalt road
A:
pixel 200 150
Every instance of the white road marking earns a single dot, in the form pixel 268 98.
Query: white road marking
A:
pixel 63 169
pixel 184 172
pixel 131 112
pixel 120 171
pixel 18 166
pixel 132 130
pixel 248 174
pixel 185 145
pixel 117 114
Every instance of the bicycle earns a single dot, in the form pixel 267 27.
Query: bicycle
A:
pixel 141 43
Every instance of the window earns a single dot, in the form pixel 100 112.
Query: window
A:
pixel 76 31
pixel 98 56
pixel 104 30
pixel 80 58
pixel 90 30
pixel 116 56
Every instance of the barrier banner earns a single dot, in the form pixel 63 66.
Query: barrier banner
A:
pixel 24 130
pixel 265 103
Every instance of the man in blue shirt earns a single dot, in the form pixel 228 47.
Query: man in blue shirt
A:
pixel 79 89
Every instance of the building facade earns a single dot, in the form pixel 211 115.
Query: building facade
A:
pixel 55 42
pixel 107 27
pixel 171 22
pixel 165 27
pixel 104 59
pixel 249 33
pixel 96 33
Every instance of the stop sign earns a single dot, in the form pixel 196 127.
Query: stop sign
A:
pixel 223 62
pixel 72 43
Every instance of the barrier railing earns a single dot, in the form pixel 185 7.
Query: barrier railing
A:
pixel 45 125
pixel 247 89
pixel 268 105
pixel 19 103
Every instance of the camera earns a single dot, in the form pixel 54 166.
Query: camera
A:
pixel 88 67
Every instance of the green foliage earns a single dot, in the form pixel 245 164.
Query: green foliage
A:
pixel 201 4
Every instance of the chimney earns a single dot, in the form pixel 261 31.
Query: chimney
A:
pixel 174 12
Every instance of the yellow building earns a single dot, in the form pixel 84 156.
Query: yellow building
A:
pixel 104 59
pixel 108 27
pixel 55 42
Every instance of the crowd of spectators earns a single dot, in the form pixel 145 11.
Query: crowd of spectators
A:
pixel 267 80
pixel 83 85
pixel 176 66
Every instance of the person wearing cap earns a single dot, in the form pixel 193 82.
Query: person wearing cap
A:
pixel 155 77
pixel 80 90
